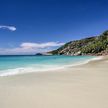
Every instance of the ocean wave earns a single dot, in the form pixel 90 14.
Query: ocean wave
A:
pixel 10 72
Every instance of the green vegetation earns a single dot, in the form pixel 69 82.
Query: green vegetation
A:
pixel 88 46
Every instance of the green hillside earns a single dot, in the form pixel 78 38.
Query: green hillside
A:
pixel 97 45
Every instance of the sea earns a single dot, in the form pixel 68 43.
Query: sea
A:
pixel 22 64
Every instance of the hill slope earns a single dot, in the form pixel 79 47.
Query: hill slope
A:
pixel 97 45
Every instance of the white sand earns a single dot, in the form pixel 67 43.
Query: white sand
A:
pixel 83 86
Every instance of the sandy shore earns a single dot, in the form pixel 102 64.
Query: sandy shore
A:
pixel 84 86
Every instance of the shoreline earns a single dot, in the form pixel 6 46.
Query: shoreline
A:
pixel 56 69
pixel 83 86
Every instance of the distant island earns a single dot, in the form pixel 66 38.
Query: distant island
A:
pixel 43 54
pixel 97 45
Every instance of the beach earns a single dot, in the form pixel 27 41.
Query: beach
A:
pixel 83 86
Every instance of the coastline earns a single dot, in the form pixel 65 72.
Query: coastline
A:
pixel 21 71
pixel 83 86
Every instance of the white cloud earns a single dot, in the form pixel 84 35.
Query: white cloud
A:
pixel 30 48
pixel 40 45
pixel 11 28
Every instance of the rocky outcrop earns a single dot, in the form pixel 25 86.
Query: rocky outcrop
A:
pixel 97 45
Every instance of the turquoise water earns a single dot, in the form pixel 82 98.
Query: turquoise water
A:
pixel 11 65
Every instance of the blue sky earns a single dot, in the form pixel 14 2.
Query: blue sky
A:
pixel 31 26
